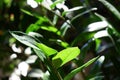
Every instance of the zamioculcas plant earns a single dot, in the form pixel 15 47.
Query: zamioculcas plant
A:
pixel 52 42
pixel 58 59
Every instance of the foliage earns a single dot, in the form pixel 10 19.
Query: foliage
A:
pixel 69 37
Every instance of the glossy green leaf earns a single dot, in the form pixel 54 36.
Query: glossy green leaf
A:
pixel 64 28
pixel 64 44
pixel 95 26
pixel 65 56
pixel 37 25
pixel 32 27
pixel 111 8
pixel 75 71
pixel 60 42
pixel 97 78
pixel 27 12
pixel 29 41
pixel 40 54
pixel 39 0
pixel 55 19
pixel 83 13
pixel 45 49
pixel 97 66
pixel 51 29
pixel 82 37
pixel 95 72
pixel 72 9
pixel 41 20
pixel 35 34
pixel 25 39
pixel 75 8
pixel 84 50
pixel 101 17
pixel 98 43
pixel 100 34
pixel 114 36
pixel 31 13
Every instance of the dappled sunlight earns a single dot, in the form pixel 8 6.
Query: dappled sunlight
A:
pixel 62 6
pixel 101 34
pixel 16 49
pixel 96 26
pixel 31 59
pixel 36 73
pixel 15 75
pixel 101 59
pixel 23 68
pixel 32 3
pixel 28 51
pixel 13 56
pixel 47 4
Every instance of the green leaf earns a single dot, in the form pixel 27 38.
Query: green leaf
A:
pixel 83 13
pixel 95 72
pixel 95 26
pixel 75 8
pixel 97 66
pixel 111 8
pixel 84 49
pixel 75 71
pixel 101 17
pixel 98 42
pixel 27 12
pixel 39 0
pixel 100 34
pixel 83 37
pixel 40 54
pixel 25 39
pixel 97 78
pixel 64 28
pixel 60 42
pixel 37 25
pixel 31 13
pixel 63 44
pixel 72 9
pixel 35 34
pixel 55 19
pixel 51 29
pixel 114 38
pixel 47 50
pixel 65 56
pixel 32 27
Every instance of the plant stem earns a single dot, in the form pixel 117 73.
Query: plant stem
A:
pixel 61 17
pixel 54 73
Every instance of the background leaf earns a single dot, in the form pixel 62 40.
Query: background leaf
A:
pixel 64 28
pixel 75 71
pixel 111 8
pixel 47 50
pixel 25 39
pixel 40 54
pixel 65 56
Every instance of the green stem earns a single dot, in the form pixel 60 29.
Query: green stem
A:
pixel 53 71
pixel 61 17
